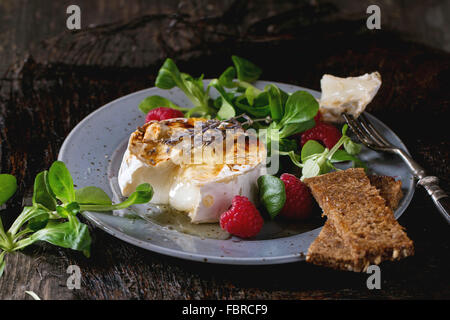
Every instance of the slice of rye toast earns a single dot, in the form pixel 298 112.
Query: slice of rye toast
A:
pixel 361 229
pixel 329 250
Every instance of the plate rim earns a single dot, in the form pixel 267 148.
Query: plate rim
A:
pixel 180 254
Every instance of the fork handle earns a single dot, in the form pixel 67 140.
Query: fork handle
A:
pixel 430 183
pixel 440 198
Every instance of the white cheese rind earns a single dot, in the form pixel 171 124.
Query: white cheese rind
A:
pixel 351 95
pixel 134 172
pixel 203 201
pixel 216 195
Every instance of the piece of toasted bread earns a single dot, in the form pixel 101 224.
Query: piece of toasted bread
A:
pixel 329 249
pixel 361 229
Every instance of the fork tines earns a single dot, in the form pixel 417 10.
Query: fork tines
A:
pixel 367 133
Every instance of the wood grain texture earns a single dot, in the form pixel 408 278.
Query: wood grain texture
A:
pixel 26 23
pixel 70 75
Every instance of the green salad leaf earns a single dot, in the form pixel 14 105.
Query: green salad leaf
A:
pixel 226 110
pixel 272 194
pixel 42 194
pixel 143 194
pixel 39 220
pixel 342 156
pixel 298 112
pixel 295 128
pixel 310 148
pixel 92 195
pixel 277 100
pixel 287 145
pixel 301 106
pixel 61 182
pixel 227 77
pixel 169 77
pixel 71 234
pixel 351 147
pixel 153 102
pixel 2 262
pixel 53 215
pixel 8 186
pixel 260 107
pixel 246 70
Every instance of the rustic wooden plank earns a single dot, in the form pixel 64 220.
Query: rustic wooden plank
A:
pixel 26 23
pixel 45 277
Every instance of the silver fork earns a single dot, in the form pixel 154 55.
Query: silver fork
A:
pixel 371 138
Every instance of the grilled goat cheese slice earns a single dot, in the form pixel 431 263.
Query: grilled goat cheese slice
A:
pixel 203 188
pixel 350 95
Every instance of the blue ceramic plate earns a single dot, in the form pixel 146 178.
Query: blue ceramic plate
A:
pixel 93 152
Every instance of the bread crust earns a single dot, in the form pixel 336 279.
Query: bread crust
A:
pixel 361 229
pixel 389 188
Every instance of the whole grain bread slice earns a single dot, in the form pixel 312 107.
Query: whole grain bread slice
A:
pixel 361 229
pixel 329 249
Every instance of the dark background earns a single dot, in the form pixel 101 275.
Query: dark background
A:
pixel 23 23
pixel 51 78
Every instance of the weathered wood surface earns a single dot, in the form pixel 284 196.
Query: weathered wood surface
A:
pixel 70 75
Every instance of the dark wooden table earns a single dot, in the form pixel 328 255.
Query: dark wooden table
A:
pixel 68 76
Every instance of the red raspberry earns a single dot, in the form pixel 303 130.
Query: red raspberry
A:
pixel 323 132
pixel 299 202
pixel 318 117
pixel 163 113
pixel 242 219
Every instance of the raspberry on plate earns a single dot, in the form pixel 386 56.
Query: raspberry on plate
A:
pixel 318 117
pixel 242 219
pixel 322 132
pixel 299 202
pixel 163 113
